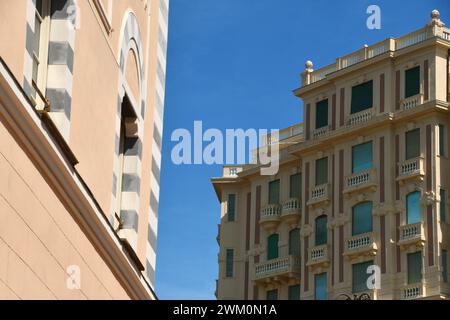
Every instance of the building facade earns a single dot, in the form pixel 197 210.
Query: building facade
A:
pixel 81 118
pixel 360 203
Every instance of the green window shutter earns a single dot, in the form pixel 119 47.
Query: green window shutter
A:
pixel 441 140
pixel 321 171
pixel 360 276
pixel 294 292
pixel 272 295
pixel 322 114
pixel 272 247
pixel 412 144
pixel 413 208
pixel 274 192
pixel 229 265
pixel 320 286
pixel 362 97
pixel 321 236
pixel 295 186
pixel 231 207
pixel 414 267
pixel 444 265
pixel 294 242
pixel 362 157
pixel 443 204
pixel 362 218
pixel 412 82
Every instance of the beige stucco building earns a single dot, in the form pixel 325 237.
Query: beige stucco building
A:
pixel 81 113
pixel 363 187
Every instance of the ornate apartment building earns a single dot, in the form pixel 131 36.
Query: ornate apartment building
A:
pixel 360 205
pixel 81 112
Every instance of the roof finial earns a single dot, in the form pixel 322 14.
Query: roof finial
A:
pixel 309 66
pixel 435 19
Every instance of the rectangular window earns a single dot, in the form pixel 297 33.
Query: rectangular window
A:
pixel 321 171
pixel 294 292
pixel 360 276
pixel 444 266
pixel 412 82
pixel 274 192
pixel 295 186
pixel 362 218
pixel 441 140
pixel 414 267
pixel 412 144
pixel 272 295
pixel 362 97
pixel 443 204
pixel 231 206
pixel 322 114
pixel 362 158
pixel 320 286
pixel 229 272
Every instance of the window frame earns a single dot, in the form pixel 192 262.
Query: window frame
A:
pixel 276 254
pixel 409 269
pixel 409 217
pixel 317 171
pixel 274 292
pixel 443 205
pixel 318 241
pixel 354 148
pixel 229 263
pixel 354 214
pixel 294 249
pixel 442 141
pixel 321 104
pixel 292 181
pixel 290 292
pixel 316 277
pixel 271 183
pixel 407 137
pixel 355 288
pixel 405 92
pixel 353 107
pixel 231 218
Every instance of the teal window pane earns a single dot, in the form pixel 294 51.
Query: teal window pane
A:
pixel 320 286
pixel 362 157
pixel 362 218
pixel 322 114
pixel 443 205
pixel 229 265
pixel 272 295
pixel 272 247
pixel 414 267
pixel 231 207
pixel 294 242
pixel 441 140
pixel 413 208
pixel 412 144
pixel 274 192
pixel 321 231
pixel 321 171
pixel 294 292
pixel 444 265
pixel 412 82
pixel 360 276
pixel 295 186
pixel 362 97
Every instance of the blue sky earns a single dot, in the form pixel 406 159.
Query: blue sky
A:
pixel 234 64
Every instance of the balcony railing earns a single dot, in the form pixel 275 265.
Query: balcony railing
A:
pixel 278 267
pixel 362 242
pixel 412 234
pixel 319 193
pixel 360 180
pixel 318 133
pixel 411 102
pixel 360 117
pixel 411 168
pixel 270 216
pixel 318 254
pixel 291 206
pixel 412 291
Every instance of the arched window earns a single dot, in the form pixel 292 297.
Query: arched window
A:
pixel 321 231
pixel 362 218
pixel 413 208
pixel 272 247
pixel 294 242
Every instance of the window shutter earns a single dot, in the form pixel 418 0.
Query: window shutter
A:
pixel 272 295
pixel 413 208
pixel 272 247
pixel 362 97
pixel 294 292
pixel 360 276
pixel 443 204
pixel 413 144
pixel 274 192
pixel 321 231
pixel 412 82
pixel 321 171
pixel 295 186
pixel 362 157
pixel 231 207
pixel 322 114
pixel 362 218
pixel 229 263
pixel 444 266
pixel 441 140
pixel 414 267
pixel 294 242
pixel 320 283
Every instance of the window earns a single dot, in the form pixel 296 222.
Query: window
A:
pixel 321 171
pixel 320 286
pixel 295 186
pixel 40 49
pixel 362 218
pixel 272 295
pixel 441 140
pixel 274 192
pixel 294 292
pixel 443 204
pixel 322 114
pixel 231 207
pixel 444 266
pixel 229 272
pixel 362 97
pixel 360 276
pixel 412 144
pixel 362 157
pixel 321 231
pixel 414 267
pixel 272 247
pixel 412 82
pixel 413 208
pixel 294 242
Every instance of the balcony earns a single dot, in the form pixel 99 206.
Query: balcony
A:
pixel 359 118
pixel 319 195
pixel 270 216
pixel 281 269
pixel 360 181
pixel 411 169
pixel 412 102
pixel 318 257
pixel 290 212
pixel 361 245
pixel 319 133
pixel 414 291
pixel 412 235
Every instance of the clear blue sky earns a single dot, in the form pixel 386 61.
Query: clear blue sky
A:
pixel 234 64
